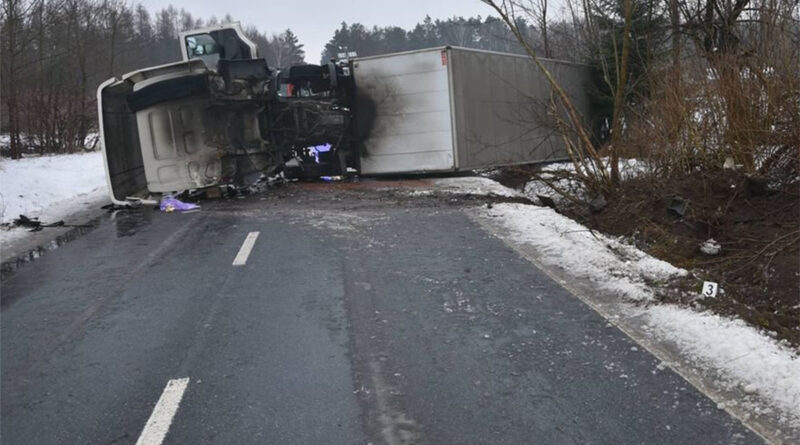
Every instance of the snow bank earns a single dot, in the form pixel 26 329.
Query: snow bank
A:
pixel 475 185
pixel 44 186
pixel 611 264
pixel 742 356
pixel 470 185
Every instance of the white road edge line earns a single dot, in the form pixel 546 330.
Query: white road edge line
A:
pixel 159 422
pixel 244 251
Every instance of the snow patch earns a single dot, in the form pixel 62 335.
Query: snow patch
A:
pixel 562 175
pixel 745 358
pixel 606 261
pixel 49 187
pixel 475 185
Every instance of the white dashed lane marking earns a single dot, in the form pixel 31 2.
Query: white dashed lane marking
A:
pixel 159 422
pixel 244 251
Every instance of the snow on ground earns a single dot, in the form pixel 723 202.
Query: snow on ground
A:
pixel 559 173
pixel 742 357
pixel 553 173
pixel 745 358
pixel 470 185
pixel 49 187
pixel 606 261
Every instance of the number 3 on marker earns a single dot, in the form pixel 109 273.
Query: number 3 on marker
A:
pixel 709 289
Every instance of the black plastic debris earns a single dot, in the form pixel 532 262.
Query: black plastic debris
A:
pixel 110 208
pixel 677 207
pixel 547 201
pixel 757 186
pixel 35 225
pixel 24 221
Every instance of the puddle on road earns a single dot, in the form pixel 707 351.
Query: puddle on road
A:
pixel 128 222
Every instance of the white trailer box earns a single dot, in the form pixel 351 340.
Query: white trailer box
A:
pixel 450 109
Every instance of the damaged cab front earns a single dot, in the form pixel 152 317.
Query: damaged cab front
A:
pixel 222 117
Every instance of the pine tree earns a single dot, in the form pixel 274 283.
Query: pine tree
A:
pixel 647 46
pixel 285 50
pixel 295 52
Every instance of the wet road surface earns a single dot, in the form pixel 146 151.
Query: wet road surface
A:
pixel 354 317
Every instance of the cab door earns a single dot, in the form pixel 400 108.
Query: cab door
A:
pixel 217 42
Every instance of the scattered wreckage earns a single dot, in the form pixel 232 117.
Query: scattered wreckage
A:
pixel 222 116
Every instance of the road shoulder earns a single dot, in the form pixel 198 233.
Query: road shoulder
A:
pixel 635 320
pixel 19 245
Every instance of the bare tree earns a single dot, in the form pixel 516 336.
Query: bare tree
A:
pixel 54 53
pixel 588 165
pixel 537 9
pixel 16 41
pixel 619 94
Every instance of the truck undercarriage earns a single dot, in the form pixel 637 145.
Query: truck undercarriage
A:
pixel 224 120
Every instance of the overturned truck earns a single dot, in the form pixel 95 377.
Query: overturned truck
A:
pixel 221 116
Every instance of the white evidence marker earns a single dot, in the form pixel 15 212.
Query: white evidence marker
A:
pixel 709 289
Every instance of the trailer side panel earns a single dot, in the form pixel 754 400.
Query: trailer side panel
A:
pixel 503 111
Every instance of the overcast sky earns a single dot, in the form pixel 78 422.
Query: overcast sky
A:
pixel 314 21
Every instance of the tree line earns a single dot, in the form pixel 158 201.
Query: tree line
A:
pixel 688 81
pixel 55 53
pixel 560 38
pixel 687 85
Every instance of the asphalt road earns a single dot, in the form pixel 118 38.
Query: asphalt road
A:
pixel 358 317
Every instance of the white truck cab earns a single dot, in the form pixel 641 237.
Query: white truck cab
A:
pixel 217 117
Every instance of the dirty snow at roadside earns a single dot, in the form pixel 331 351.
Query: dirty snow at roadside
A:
pixel 470 185
pixel 745 358
pixel 50 187
pixel 604 260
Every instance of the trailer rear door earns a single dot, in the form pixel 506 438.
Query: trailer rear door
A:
pixel 412 129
